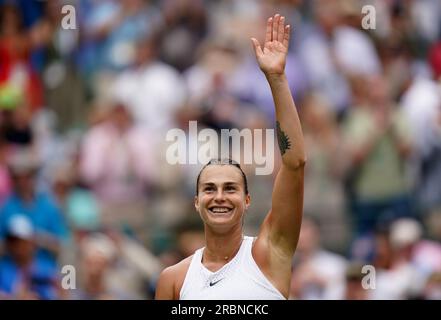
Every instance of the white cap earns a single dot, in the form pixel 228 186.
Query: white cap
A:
pixel 20 226
pixel 99 244
pixel 405 231
pixel 23 160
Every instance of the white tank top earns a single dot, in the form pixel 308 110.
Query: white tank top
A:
pixel 239 279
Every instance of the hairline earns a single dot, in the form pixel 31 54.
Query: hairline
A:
pixel 236 165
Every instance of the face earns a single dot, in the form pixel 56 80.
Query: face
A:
pixel 379 91
pixel 121 117
pixel 145 52
pixel 21 250
pixel 221 199
pixel 24 183
pixel 95 263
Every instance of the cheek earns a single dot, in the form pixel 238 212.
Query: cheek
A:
pixel 203 200
pixel 240 201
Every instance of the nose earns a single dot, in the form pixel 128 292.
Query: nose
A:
pixel 219 196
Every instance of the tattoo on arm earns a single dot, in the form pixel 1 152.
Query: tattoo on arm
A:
pixel 284 143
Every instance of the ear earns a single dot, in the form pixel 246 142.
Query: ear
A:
pixel 196 203
pixel 247 201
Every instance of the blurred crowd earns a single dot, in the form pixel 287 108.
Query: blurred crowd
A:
pixel 84 113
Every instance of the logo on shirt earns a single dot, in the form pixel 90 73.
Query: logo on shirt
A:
pixel 212 283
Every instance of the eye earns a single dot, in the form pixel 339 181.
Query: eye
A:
pixel 230 189
pixel 208 189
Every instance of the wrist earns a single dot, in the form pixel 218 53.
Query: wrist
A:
pixel 275 77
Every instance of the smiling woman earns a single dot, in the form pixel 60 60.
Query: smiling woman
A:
pixel 231 265
pixel 222 196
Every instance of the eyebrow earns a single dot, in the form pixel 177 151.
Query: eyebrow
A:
pixel 228 183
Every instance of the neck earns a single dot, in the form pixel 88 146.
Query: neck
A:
pixel 94 285
pixel 221 248
pixel 27 196
pixel 24 262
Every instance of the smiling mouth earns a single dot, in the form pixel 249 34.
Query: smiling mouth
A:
pixel 220 210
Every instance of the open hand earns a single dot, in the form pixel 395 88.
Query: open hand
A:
pixel 272 58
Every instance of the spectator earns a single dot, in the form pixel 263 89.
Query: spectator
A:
pixel 115 27
pixel 38 207
pixel 421 102
pixel 153 79
pixel 96 255
pixel 378 141
pixel 317 273
pixel 324 194
pixel 23 275
pixel 15 66
pixel 117 163
pixel 64 88
pixel 121 268
pixel 354 283
pixel 185 26
pixel 405 278
pixel 15 123
pixel 317 45
pixel 351 45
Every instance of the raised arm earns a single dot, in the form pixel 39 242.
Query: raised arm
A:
pixel 281 227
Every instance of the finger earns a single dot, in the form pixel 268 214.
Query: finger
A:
pixel 275 26
pixel 257 48
pixel 286 36
pixel 281 32
pixel 269 30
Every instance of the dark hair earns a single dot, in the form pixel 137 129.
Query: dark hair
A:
pixel 224 161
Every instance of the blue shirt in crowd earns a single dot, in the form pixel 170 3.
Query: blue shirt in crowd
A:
pixel 44 214
pixel 41 277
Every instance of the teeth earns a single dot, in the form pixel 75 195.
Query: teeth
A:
pixel 220 210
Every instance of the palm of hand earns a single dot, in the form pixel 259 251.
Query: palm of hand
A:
pixel 272 58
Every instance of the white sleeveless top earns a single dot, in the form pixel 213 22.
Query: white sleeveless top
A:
pixel 239 279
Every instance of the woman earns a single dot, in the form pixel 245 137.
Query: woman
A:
pixel 232 266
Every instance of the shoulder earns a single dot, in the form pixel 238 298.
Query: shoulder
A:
pixel 47 201
pixel 5 262
pixel 171 280
pixel 10 202
pixel 8 209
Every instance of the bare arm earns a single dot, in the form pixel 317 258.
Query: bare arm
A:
pixel 282 225
pixel 165 286
pixel 171 280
